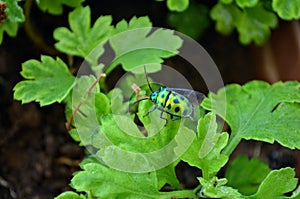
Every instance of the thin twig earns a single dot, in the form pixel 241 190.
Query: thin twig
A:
pixel 33 33
pixel 87 92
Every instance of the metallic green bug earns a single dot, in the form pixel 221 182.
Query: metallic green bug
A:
pixel 177 102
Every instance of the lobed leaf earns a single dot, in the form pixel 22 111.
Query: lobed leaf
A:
pixel 252 23
pixel 14 17
pixel 134 44
pixel 178 5
pixel 276 184
pixel 259 111
pixel 104 182
pixel 122 145
pixel 255 24
pixel 246 3
pixel 47 81
pixel 205 152
pixel 287 9
pixel 55 7
pixel 225 16
pixel 167 175
pixel 254 169
pixel 215 188
pixel 70 195
pixel 83 40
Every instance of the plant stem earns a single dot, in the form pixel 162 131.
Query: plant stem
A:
pixel 232 144
pixel 180 194
pixel 33 32
pixel 87 92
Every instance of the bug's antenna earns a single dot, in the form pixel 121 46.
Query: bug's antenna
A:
pixel 148 79
pixel 131 105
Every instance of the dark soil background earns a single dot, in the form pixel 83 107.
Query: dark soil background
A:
pixel 37 155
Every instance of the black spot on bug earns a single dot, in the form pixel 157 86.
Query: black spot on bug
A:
pixel 162 95
pixel 169 106
pixel 182 98
pixel 176 101
pixel 177 109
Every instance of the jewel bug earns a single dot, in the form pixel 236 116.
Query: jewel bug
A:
pixel 176 102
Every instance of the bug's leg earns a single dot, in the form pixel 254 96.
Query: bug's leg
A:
pixel 151 110
pixel 175 118
pixel 161 116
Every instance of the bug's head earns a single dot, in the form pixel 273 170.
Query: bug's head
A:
pixel 153 96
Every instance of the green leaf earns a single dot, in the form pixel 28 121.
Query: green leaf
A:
pixel 122 145
pixel 177 5
pixel 295 194
pixel 276 184
pixel 225 17
pixel 102 105
pixel 205 152
pixel 134 44
pixel 86 120
pixel 83 40
pixel 70 195
pixel 253 23
pixel 215 188
pixel 48 81
pixel 287 9
pixel 153 120
pixel 14 17
pixel 167 175
pixel 254 169
pixel 55 7
pixel 104 182
pixel 117 101
pixel 259 111
pixel 246 3
pixel 193 21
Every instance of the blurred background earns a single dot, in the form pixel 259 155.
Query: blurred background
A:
pixel 38 156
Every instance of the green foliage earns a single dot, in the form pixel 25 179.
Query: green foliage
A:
pixel 140 46
pixel 255 170
pixel 86 120
pixel 254 179
pixel 253 23
pixel 253 19
pixel 205 152
pixel 83 40
pixel 193 21
pixel 286 9
pixel 215 188
pixel 259 111
pixel 55 7
pixel 70 195
pixel 107 183
pixel 44 84
pixel 276 184
pixel 177 5
pixel 127 161
pixel 14 17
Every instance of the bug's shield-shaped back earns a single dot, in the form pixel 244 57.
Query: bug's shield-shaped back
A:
pixel 194 97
